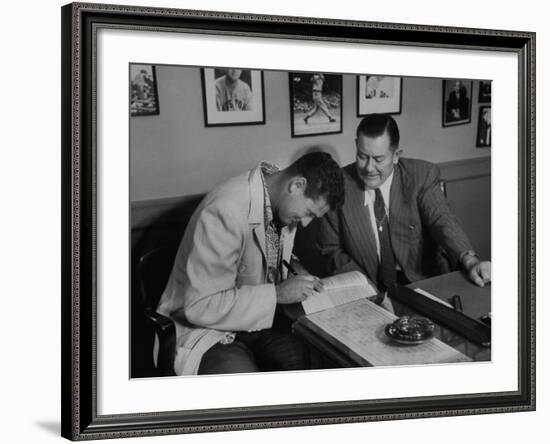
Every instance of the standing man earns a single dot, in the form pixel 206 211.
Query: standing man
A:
pixel 232 94
pixel 228 276
pixel 391 204
pixel 317 82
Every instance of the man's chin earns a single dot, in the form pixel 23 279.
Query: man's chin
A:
pixel 372 182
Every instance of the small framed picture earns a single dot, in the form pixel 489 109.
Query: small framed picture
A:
pixel 457 102
pixel 315 103
pixel 484 91
pixel 483 139
pixel 233 96
pixel 144 100
pixel 378 94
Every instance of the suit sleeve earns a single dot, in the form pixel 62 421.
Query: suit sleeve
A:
pixel 443 226
pixel 209 275
pixel 336 259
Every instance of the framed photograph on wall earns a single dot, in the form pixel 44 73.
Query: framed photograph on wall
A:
pixel 315 103
pixel 484 95
pixel 457 102
pixel 483 139
pixel 233 96
pixel 144 100
pixel 379 94
pixel 99 398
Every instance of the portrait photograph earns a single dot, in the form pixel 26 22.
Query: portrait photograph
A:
pixel 484 95
pixel 315 103
pixel 215 243
pixel 232 96
pixel 143 90
pixel 484 127
pixel 457 102
pixel 378 94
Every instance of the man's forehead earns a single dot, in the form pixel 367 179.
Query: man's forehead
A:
pixel 375 144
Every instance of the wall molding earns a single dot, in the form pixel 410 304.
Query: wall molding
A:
pixel 465 169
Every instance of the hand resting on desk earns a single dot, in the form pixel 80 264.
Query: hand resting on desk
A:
pixel 479 272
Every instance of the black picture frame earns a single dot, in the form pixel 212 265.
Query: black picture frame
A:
pixel 254 114
pixel 484 94
pixel 368 105
pixel 144 96
pixel 307 106
pixel 80 418
pixel 457 105
pixel 483 134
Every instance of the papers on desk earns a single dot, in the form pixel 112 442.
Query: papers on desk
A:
pixel 339 289
pixel 357 329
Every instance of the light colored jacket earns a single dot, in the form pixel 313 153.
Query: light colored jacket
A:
pixel 219 282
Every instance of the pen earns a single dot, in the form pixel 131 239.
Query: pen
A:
pixel 290 268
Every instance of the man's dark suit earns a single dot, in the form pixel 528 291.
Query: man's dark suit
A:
pixel 419 216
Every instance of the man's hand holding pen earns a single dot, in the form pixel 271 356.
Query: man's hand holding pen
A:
pixel 297 287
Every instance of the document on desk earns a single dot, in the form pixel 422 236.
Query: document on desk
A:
pixel 339 289
pixel 357 329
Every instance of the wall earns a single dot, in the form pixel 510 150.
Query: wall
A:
pixel 173 154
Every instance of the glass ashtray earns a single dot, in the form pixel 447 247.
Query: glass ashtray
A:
pixel 410 330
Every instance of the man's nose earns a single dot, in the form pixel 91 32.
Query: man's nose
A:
pixel 370 165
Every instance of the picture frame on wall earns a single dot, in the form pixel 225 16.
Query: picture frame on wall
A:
pixel 99 399
pixel 233 96
pixel 484 136
pixel 379 94
pixel 484 95
pixel 457 102
pixel 315 103
pixel 144 99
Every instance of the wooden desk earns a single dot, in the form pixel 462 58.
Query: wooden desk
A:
pixel 476 302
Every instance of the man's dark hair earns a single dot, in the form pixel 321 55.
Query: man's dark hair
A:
pixel 375 125
pixel 324 177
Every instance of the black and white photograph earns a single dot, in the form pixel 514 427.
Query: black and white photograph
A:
pixel 315 103
pixel 378 94
pixel 484 127
pixel 294 256
pixel 457 102
pixel 232 96
pixel 144 99
pixel 484 95
pixel 234 276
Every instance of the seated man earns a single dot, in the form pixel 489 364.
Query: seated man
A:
pixel 227 278
pixel 390 203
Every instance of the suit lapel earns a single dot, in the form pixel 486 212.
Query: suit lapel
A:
pixel 399 217
pixel 256 215
pixel 360 228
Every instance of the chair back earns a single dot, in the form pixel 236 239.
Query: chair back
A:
pixel 154 269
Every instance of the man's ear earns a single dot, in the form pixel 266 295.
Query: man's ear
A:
pixel 396 155
pixel 297 183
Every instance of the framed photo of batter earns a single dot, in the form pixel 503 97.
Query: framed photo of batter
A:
pixel 379 94
pixel 115 167
pixel 315 103
pixel 233 96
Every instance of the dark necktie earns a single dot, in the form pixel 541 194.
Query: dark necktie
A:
pixel 387 277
